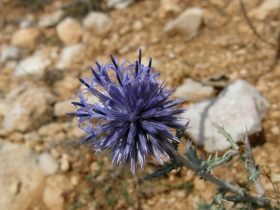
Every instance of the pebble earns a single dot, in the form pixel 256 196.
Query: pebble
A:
pixel 48 164
pixel 64 165
pixel 14 186
pixel 74 179
pixel 25 37
pixel 98 23
pixel 275 130
pixel 187 23
pixel 69 31
pixel 34 65
pixel 16 137
pixel 9 53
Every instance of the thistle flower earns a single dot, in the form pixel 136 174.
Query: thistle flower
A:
pixel 134 113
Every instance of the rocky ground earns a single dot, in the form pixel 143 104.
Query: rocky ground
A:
pixel 44 50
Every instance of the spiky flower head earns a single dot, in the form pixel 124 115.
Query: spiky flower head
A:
pixel 134 113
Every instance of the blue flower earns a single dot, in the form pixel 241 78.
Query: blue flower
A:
pixel 134 113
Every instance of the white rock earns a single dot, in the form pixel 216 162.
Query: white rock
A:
pixel 98 23
pixel 50 19
pixel 9 53
pixel 69 31
pixel 56 185
pixel 21 179
pixel 194 91
pixel 34 65
pixel 237 107
pixel 25 37
pixel 31 109
pixel 188 22
pixel 262 11
pixel 70 55
pixel 48 164
pixel 118 4
pixel 64 165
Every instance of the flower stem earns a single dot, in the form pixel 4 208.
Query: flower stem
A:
pixel 260 202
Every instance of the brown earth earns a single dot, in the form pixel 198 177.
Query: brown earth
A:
pixel 226 43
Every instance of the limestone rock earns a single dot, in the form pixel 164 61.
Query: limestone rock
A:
pixel 188 23
pixel 25 37
pixel 69 31
pixel 239 106
pixel 48 164
pixel 56 185
pixel 193 91
pixel 9 53
pixel 21 180
pixel 71 55
pixel 118 4
pixel 34 65
pixel 31 109
pixel 50 19
pixel 98 23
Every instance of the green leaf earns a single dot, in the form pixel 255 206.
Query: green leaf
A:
pixel 192 155
pixel 226 135
pixel 207 165
pixel 166 169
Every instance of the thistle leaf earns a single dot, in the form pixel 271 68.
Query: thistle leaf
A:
pixel 166 169
pixel 207 165
pixel 226 135
pixel 192 155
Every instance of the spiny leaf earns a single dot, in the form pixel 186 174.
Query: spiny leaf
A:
pixel 192 155
pixel 226 135
pixel 166 169
pixel 207 165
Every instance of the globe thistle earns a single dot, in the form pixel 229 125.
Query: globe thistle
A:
pixel 134 114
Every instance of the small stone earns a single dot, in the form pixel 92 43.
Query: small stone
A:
pixel 14 186
pixel 9 53
pixel 50 19
pixel 188 23
pixel 194 91
pixel 69 31
pixel 48 164
pixel 55 153
pixel 181 194
pixel 16 137
pixel 56 185
pixel 31 136
pixel 50 129
pixel 75 180
pixel 30 110
pixel 98 23
pixel 275 130
pixel 64 165
pixel 25 38
pixel 70 56
pixel 118 4
pixel 34 65
pixel 137 25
